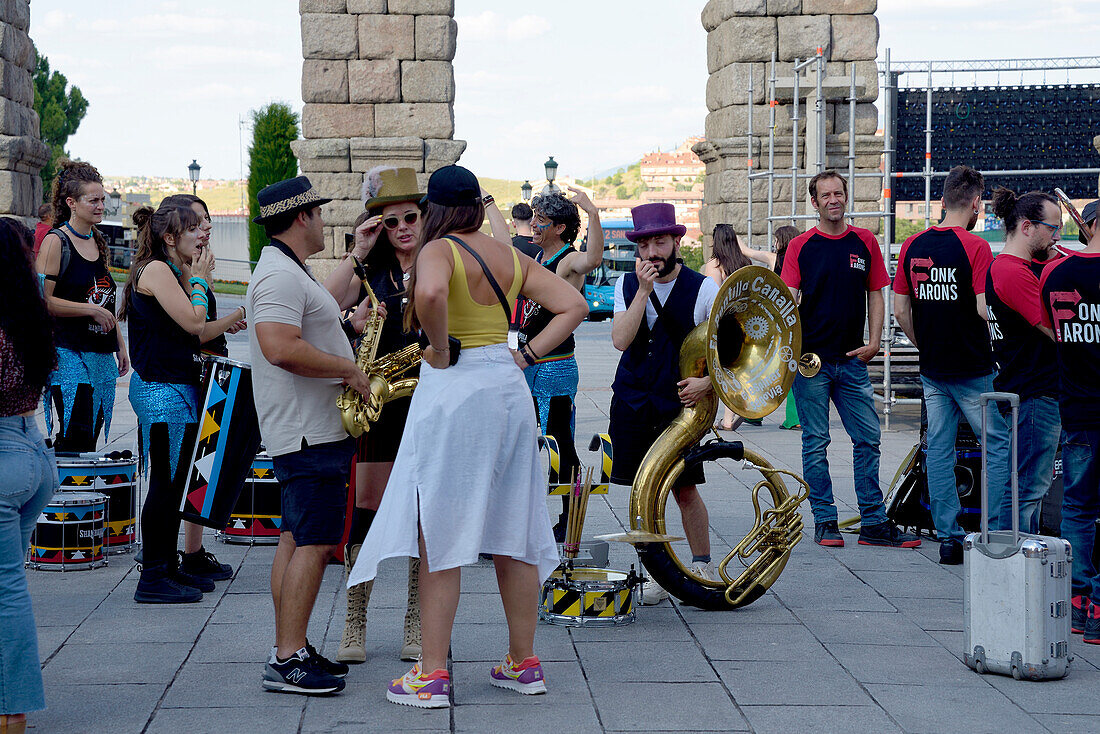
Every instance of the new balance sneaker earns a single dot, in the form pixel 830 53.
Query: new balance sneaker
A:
pixel 828 534
pixel 653 593
pixel 888 535
pixel 1092 624
pixel 335 669
pixel 704 570
pixel 431 691
pixel 1080 614
pixel 204 564
pixel 951 552
pixel 300 673
pixel 527 677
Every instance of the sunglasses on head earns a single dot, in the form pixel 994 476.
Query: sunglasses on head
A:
pixel 393 222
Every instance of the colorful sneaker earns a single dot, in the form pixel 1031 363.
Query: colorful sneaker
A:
pixel 527 677
pixel 299 673
pixel 1080 614
pixel 888 535
pixel 828 534
pixel 1092 624
pixel 430 691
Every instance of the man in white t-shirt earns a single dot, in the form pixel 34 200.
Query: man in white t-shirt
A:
pixel 656 307
pixel 301 359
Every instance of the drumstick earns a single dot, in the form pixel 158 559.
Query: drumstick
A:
pixel 571 522
pixel 585 492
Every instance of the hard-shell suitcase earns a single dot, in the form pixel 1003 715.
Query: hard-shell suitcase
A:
pixel 1016 589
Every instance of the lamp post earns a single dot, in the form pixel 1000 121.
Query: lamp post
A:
pixel 116 201
pixel 193 172
pixel 525 190
pixel 551 167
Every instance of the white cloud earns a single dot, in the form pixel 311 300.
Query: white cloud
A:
pixel 490 26
pixel 642 94
pixel 480 27
pixel 50 22
pixel 527 27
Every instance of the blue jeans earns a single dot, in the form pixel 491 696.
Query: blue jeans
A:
pixel 28 479
pixel 1081 505
pixel 1039 430
pixel 947 401
pixel 845 383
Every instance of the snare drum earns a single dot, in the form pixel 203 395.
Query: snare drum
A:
pixel 69 533
pixel 258 516
pixel 113 477
pixel 228 439
pixel 587 597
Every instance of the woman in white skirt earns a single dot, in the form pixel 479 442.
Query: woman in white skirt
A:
pixel 467 478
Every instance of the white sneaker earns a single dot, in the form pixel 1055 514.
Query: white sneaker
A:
pixel 653 593
pixel 705 571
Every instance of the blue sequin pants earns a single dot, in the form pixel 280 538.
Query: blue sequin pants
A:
pixel 554 388
pixel 82 391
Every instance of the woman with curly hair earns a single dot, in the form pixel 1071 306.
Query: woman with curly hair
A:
pixel 80 295
pixel 28 477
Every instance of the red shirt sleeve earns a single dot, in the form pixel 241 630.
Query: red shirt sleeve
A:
pixel 901 283
pixel 877 277
pixel 791 275
pixel 980 256
pixel 1018 287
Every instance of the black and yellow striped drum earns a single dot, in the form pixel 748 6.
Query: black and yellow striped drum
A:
pixel 69 533
pixel 588 597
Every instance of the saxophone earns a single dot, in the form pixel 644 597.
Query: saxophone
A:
pixel 357 411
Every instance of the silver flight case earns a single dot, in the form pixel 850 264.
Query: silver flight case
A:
pixel 1016 588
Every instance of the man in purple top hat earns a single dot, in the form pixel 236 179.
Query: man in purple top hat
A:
pixel 656 307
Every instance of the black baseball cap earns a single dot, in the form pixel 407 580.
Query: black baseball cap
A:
pixel 1088 214
pixel 453 186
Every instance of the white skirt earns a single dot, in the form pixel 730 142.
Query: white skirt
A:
pixel 468 468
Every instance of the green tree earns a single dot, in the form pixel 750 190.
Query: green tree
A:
pixel 60 109
pixel 270 160
pixel 621 193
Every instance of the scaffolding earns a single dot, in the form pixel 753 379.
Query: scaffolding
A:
pixel 890 74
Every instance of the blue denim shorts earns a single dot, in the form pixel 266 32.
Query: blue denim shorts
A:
pixel 314 488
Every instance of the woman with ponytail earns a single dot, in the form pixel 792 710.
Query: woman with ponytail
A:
pixel 80 295
pixel 165 302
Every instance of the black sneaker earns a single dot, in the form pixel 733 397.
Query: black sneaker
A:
pixel 200 583
pixel 203 563
pixel 335 669
pixel 299 674
pixel 951 552
pixel 888 535
pixel 1080 606
pixel 827 534
pixel 158 585
pixel 1092 625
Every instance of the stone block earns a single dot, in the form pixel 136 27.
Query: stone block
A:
pixel 436 37
pixel 800 36
pixel 866 119
pixel 366 6
pixel 732 121
pixel 868 151
pixel 730 85
pixel 839 7
pixel 867 71
pixel 17 119
pixel 341 212
pixel 17 193
pixel 439 153
pixel 337 120
pixel 16 84
pixel 323 155
pixel 717 12
pixel 322 6
pixel 400 152
pixel 855 37
pixel 784 7
pixel 386 37
pixel 16 13
pixel 427 81
pixel 741 39
pixel 420 119
pixel 329 36
pixel 338 185
pixel 324 81
pixel 374 80
pixel 733 186
pixel 22 153
pixel 423 7
pixel 16 47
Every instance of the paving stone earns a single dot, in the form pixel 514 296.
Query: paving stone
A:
pixel 867 628
pixel 904 664
pixel 200 685
pixel 803 682
pixel 92 709
pixel 933 614
pixel 1076 693
pixel 757 642
pixel 562 719
pixel 268 719
pixel 132 662
pixel 931 584
pixel 144 623
pixel 652 662
pixel 1069 722
pixel 937 708
pixel 659 622
pixel 785 719
pixel 50 639
pixel 638 706
pixel 565 684
pixel 489 642
pixel 362 706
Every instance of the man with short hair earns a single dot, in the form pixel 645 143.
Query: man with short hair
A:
pixel 301 360
pixel 522 240
pixel 45 223
pixel 940 303
pixel 837 272
pixel 648 392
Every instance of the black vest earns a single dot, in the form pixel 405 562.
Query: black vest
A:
pixel 650 367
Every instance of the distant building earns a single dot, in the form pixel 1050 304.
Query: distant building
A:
pixel 668 170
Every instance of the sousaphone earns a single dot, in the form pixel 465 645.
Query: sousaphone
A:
pixel 751 348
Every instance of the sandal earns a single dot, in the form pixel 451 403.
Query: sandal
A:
pixel 720 427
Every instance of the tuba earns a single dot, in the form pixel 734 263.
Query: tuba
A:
pixel 751 347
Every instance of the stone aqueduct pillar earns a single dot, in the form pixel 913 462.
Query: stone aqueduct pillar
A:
pixel 378 88
pixel 22 152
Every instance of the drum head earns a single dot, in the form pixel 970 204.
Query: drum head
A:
pixel 218 359
pixel 76 499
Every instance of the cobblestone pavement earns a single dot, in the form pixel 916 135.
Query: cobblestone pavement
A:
pixel 851 639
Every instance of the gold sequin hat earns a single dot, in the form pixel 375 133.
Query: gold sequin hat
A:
pixel 291 195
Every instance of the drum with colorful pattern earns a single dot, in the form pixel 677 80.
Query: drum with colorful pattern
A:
pixel 258 515
pixel 69 533
pixel 112 474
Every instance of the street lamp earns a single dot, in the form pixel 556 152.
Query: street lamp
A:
pixel 525 190
pixel 551 167
pixel 116 201
pixel 193 172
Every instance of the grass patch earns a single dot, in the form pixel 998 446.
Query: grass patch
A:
pixel 230 289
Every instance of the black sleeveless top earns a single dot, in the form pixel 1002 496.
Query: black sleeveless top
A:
pixel 779 262
pixel 83 281
pixel 160 350
pixel 535 317
pixel 389 287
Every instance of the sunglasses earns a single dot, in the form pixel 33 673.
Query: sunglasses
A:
pixel 393 222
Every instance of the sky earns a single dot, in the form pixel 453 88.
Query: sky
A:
pixel 596 84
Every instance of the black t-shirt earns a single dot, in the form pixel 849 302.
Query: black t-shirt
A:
pixel 527 246
pixel 942 270
pixel 1023 353
pixel 1070 291
pixel 834 273
pixel 84 281
pixel 535 317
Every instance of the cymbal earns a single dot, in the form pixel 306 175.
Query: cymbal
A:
pixel 638 536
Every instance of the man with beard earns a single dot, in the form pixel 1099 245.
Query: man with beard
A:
pixel 656 307
pixel 837 272
pixel 940 304
pixel 553 377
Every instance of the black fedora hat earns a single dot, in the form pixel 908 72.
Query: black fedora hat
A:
pixel 291 195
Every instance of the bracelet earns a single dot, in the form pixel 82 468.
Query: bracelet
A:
pixel 531 351
pixel 487 199
pixel 437 350
pixel 200 281
pixel 244 314
pixel 200 297
pixel 527 357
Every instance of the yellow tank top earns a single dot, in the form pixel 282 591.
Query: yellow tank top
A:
pixel 473 323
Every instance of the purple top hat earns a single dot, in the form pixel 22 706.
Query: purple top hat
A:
pixel 651 220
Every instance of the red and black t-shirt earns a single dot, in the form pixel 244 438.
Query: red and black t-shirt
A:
pixel 834 273
pixel 942 269
pixel 1070 293
pixel 1023 353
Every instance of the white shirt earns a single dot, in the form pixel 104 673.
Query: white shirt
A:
pixel 708 291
